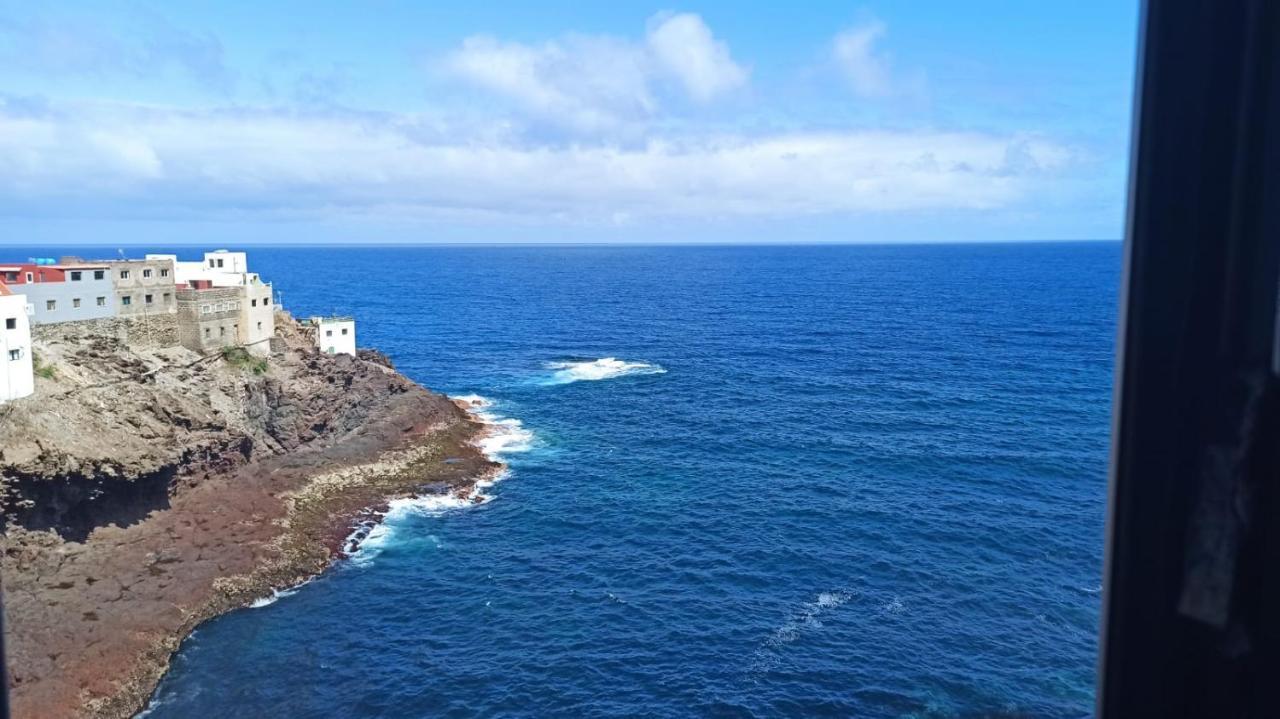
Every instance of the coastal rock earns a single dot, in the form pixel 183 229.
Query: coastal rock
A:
pixel 145 491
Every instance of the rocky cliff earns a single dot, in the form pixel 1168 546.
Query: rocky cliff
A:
pixel 145 491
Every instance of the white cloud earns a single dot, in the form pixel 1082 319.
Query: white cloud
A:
pixel 867 68
pixel 683 46
pixel 596 84
pixel 123 160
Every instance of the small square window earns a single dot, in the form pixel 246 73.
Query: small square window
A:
pixel 126 300
pixel 102 301
pixel 75 276
pixel 75 302
pixel 99 274
pixel 146 274
pixel 344 330
pixel 11 323
pixel 124 274
pixel 328 333
pixel 15 355
pixel 51 304
pixel 164 273
pixel 146 298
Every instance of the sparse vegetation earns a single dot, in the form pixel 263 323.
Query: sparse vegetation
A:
pixel 240 357
pixel 42 370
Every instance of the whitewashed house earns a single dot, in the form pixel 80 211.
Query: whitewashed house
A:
pixel 17 378
pixel 256 323
pixel 335 335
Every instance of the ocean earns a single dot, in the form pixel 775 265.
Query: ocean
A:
pixel 744 481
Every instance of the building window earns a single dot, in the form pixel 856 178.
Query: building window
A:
pixel 99 274
pixel 219 263
pixel 259 326
pixel 51 305
pixel 164 272
pixel 126 300
pixel 146 298
pixel 124 274
pixel 75 276
pixel 146 274
pixel 266 300
pixel 28 277
pixel 11 323
pixel 167 297
pixel 222 331
pixel 344 330
pixel 75 303
pixel 102 301
pixel 206 331
pixel 15 355
pixel 253 303
pixel 328 333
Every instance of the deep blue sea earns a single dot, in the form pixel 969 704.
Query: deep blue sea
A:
pixel 857 481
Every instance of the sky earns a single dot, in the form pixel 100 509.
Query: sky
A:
pixel 128 123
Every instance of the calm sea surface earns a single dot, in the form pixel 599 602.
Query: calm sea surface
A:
pixel 861 481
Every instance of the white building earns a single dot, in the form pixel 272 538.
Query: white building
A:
pixel 223 268
pixel 17 378
pixel 335 335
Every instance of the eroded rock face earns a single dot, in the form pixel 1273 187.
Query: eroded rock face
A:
pixel 146 491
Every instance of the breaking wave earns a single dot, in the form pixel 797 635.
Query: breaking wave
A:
pixel 502 436
pixel 592 370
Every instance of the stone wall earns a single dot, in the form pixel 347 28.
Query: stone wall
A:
pixel 144 332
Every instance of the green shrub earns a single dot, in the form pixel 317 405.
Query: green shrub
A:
pixel 42 370
pixel 240 357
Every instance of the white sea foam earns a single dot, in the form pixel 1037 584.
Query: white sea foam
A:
pixel 806 618
pixel 594 370
pixel 502 436
pixel 276 595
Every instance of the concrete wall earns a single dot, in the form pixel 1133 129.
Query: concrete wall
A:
pixel 16 372
pixel 143 287
pixel 209 319
pixel 224 261
pixel 335 335
pixel 96 299
pixel 258 319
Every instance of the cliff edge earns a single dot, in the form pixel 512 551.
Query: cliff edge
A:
pixel 147 490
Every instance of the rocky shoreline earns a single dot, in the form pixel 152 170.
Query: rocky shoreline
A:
pixel 262 482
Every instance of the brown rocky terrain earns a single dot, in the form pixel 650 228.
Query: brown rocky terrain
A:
pixel 147 490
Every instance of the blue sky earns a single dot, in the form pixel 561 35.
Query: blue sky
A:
pixel 135 123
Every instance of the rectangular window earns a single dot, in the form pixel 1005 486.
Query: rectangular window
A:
pixel 259 325
pixel 51 304
pixel 126 300
pixel 75 276
pixel 219 263
pixel 102 301
pixel 266 300
pixel 328 333
pixel 146 298
pixel 344 330
pixel 211 263
pixel 11 323
pixel 99 274
pixel 164 273
pixel 124 274
pixel 15 355
pixel 75 303
pixel 146 274
pixel 28 277
pixel 222 331
pixel 253 303
pixel 206 331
